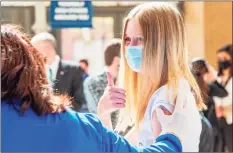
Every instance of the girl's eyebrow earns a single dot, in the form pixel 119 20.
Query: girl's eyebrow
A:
pixel 139 35
pixel 136 35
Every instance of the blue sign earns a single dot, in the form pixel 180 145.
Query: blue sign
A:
pixel 71 14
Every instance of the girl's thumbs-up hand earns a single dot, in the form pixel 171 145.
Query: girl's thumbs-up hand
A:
pixel 113 98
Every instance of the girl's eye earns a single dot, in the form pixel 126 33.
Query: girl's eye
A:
pixel 140 40
pixel 127 41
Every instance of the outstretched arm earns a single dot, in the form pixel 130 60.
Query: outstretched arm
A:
pixel 132 136
pixel 109 141
pixel 116 143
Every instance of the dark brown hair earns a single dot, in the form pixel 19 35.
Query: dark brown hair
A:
pixel 23 75
pixel 85 61
pixel 227 49
pixel 198 69
pixel 112 50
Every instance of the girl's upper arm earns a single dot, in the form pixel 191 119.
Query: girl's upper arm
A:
pixel 160 100
pixel 156 125
pixel 155 122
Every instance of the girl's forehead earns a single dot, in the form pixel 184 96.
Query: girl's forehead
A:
pixel 133 28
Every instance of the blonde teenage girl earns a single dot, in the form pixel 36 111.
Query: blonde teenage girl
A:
pixel 154 64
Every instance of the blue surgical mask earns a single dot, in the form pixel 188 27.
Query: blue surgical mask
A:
pixel 134 56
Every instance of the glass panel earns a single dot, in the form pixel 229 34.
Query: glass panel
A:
pixel 104 3
pixel 88 43
pixel 47 3
pixel 129 3
pixel 22 3
pixel 21 16
pixel 132 3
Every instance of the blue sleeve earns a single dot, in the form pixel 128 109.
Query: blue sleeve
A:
pixel 115 143
pixel 112 142
pixel 165 143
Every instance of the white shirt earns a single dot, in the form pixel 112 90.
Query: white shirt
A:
pixel 54 66
pixel 226 102
pixel 161 97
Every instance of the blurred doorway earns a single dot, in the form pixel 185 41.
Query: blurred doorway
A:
pixel 90 43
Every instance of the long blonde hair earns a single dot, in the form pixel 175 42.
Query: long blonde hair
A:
pixel 164 59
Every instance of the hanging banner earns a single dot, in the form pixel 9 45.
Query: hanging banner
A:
pixel 71 14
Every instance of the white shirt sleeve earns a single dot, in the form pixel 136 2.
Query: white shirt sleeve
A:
pixel 164 98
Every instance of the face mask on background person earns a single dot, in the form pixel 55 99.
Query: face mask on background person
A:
pixel 224 64
pixel 134 56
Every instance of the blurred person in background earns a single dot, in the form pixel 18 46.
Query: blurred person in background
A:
pixel 94 86
pixel 154 64
pixel 209 87
pixel 224 105
pixel 64 76
pixel 83 63
pixel 34 119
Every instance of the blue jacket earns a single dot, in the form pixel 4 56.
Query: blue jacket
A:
pixel 68 132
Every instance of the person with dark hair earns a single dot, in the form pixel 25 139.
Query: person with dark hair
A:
pixel 34 119
pixel 94 86
pixel 211 139
pixel 224 105
pixel 64 76
pixel 83 63
pixel 225 61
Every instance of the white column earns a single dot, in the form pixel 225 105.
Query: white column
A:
pixel 40 24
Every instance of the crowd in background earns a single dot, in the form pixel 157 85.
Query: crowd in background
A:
pixel 215 87
pixel 72 79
